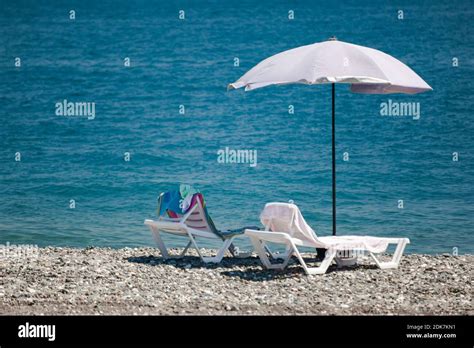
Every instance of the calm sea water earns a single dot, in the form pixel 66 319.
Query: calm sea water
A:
pixel 190 63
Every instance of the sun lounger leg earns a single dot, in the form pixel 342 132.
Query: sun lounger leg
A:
pixel 259 247
pixel 159 242
pixel 286 257
pixel 397 255
pixel 235 252
pixel 194 244
pixel 185 249
pixel 278 255
pixel 220 252
pixel 330 254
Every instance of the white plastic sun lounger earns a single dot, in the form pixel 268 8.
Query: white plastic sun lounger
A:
pixel 192 225
pixel 285 225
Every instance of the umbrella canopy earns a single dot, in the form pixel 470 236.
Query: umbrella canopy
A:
pixel 367 70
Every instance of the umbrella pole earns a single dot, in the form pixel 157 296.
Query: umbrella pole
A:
pixel 333 159
pixel 322 252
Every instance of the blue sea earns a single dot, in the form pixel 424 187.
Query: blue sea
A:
pixel 185 65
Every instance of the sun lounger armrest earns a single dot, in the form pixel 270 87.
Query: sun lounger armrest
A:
pixel 165 224
pixel 397 240
pixel 236 232
pixel 169 219
pixel 268 235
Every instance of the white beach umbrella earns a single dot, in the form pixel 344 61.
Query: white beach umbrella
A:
pixel 367 71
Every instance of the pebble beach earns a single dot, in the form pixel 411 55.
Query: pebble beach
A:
pixel 137 281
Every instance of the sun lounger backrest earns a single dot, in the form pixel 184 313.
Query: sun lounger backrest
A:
pixel 286 217
pixel 198 218
pixel 191 211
